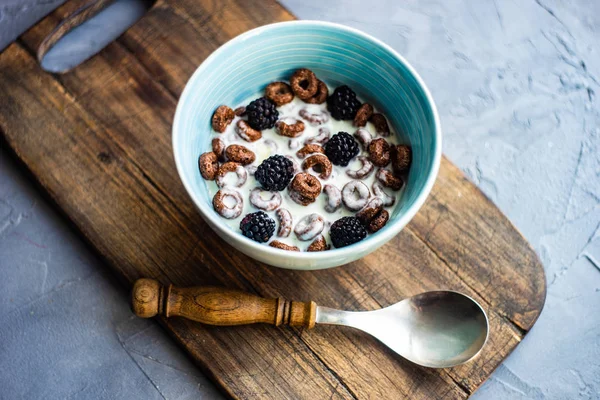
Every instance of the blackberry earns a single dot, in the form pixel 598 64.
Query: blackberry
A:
pixel 343 104
pixel 275 173
pixel 258 226
pixel 341 148
pixel 262 114
pixel 346 231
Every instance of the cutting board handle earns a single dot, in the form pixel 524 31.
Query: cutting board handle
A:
pixel 218 306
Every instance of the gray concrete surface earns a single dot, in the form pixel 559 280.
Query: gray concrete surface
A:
pixel 516 84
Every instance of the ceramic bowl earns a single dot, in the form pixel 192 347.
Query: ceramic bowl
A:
pixel 338 55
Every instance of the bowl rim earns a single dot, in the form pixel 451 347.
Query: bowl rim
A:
pixel 385 234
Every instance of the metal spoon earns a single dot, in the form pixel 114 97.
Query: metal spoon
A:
pixel 436 329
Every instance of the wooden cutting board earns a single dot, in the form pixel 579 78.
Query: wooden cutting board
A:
pixel 98 139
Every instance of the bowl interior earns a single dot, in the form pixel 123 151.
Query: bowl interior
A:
pixel 338 55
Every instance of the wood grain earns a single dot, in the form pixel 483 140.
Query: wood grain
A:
pixel 98 140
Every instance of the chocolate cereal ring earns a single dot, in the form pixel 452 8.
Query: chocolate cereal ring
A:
pixel 364 137
pixel 218 147
pixel 246 132
pixel 364 171
pixel 306 185
pixel 221 118
pixel 208 165
pixel 321 138
pixel 302 200
pixel 258 201
pixel 379 152
pixel 401 158
pixel 285 222
pixel 370 211
pixel 240 154
pixel 231 167
pixel 309 227
pixel 310 149
pixel 334 198
pixel 319 244
pixel 279 93
pixel 292 130
pixel 378 221
pixel 388 200
pixel 304 83
pixel 316 118
pixel 225 211
pixel 320 96
pixel 280 245
pixel 355 195
pixel 322 163
pixel 388 179
pixel 363 114
pixel 381 125
pixel 240 111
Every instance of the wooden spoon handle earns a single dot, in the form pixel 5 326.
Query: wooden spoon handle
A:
pixel 218 306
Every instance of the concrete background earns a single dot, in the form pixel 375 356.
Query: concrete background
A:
pixel 516 84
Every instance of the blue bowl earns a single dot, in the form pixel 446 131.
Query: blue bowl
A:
pixel 338 55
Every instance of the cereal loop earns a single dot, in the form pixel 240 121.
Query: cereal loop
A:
pixel 302 200
pixel 388 179
pixel 231 167
pixel 225 211
pixel 381 125
pixel 322 164
pixel 316 118
pixel 364 137
pixel 280 245
pixel 321 138
pixel 240 154
pixel 221 118
pixel 306 185
pixel 364 171
pixel 379 152
pixel 240 111
pixel 258 201
pixel 319 244
pixel 218 147
pixel 246 132
pixel 289 130
pixel 279 93
pixel 320 96
pixel 378 222
pixel 363 114
pixel 285 222
pixel 355 195
pixel 304 83
pixel 388 200
pixel 309 227
pixel 208 165
pixel 370 211
pixel 401 158
pixel 334 198
pixel 310 149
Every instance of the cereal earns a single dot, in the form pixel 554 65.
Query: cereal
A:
pixel 309 227
pixel 319 244
pixel 292 130
pixel 310 149
pixel 221 118
pixel 378 221
pixel 401 158
pixel 381 125
pixel 388 200
pixel 258 201
pixel 285 222
pixel 320 96
pixel 364 137
pixel 355 195
pixel 321 138
pixel 388 179
pixel 246 132
pixel 370 211
pixel 314 118
pixel 218 147
pixel 208 165
pixel 304 83
pixel 240 111
pixel 280 245
pixel 334 198
pixel 379 152
pixel 227 211
pixel 240 154
pixel 364 171
pixel 279 93
pixel 363 114
pixel 231 167
pixel 302 200
pixel 306 185
pixel 322 162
